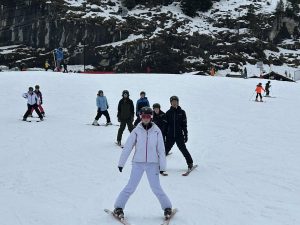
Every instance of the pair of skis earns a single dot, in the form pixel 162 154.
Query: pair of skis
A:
pixel 124 221
pixel 103 125
pixel 29 121
pixel 184 174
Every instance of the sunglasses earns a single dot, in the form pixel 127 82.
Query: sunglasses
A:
pixel 146 116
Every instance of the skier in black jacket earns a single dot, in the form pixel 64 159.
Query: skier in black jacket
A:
pixel 267 88
pixel 177 130
pixel 159 118
pixel 125 115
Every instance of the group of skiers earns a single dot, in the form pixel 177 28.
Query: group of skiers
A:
pixel 259 90
pixel 153 134
pixel 34 102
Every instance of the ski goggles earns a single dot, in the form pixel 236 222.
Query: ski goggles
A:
pixel 146 116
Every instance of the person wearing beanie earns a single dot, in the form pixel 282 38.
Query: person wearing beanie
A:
pixel 102 105
pixel 142 102
pixel 176 131
pixel 40 102
pixel 267 88
pixel 259 89
pixel 159 118
pixel 32 102
pixel 125 115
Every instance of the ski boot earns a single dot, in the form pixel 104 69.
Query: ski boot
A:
pixel 190 166
pixel 24 119
pixel 109 123
pixel 118 143
pixel 167 213
pixel 256 100
pixel 119 213
pixel 95 123
pixel 41 119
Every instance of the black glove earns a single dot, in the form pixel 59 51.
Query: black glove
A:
pixel 120 169
pixel 185 138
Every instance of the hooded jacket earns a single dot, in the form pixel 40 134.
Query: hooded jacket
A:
pixel 125 109
pixel 149 146
pixel 32 99
pixel 101 103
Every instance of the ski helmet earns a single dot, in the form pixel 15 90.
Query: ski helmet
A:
pixel 156 105
pixel 30 88
pixel 37 86
pixel 174 98
pixel 146 111
pixel 100 92
pixel 125 92
pixel 143 93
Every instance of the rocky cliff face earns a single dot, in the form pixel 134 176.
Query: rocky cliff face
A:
pixel 150 36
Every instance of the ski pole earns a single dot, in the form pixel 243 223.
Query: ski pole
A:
pixel 251 96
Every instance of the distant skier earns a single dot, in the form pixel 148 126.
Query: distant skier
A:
pixel 212 71
pixel 125 115
pixel 245 72
pixel 159 118
pixel 65 65
pixel 142 102
pixel 149 157
pixel 101 102
pixel 59 56
pixel 40 101
pixel 32 100
pixel 47 65
pixel 259 89
pixel 177 130
pixel 267 88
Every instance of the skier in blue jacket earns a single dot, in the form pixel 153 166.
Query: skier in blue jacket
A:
pixel 142 102
pixel 102 105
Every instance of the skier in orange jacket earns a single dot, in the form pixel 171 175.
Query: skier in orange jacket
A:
pixel 259 89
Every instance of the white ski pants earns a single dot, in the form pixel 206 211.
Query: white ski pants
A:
pixel 152 171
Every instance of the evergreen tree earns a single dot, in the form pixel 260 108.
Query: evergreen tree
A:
pixel 280 8
pixel 293 7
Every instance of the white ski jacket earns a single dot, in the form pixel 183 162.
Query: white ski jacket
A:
pixel 149 146
pixel 31 99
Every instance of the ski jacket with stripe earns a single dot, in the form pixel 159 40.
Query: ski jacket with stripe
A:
pixel 32 99
pixel 101 103
pixel 176 122
pixel 149 146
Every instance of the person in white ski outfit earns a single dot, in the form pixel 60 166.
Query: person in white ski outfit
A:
pixel 32 103
pixel 149 157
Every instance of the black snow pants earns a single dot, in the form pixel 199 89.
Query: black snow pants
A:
pixel 181 145
pixel 30 107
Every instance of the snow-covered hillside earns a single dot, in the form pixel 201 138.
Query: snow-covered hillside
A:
pixel 62 171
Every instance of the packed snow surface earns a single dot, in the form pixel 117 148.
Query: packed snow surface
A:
pixel 64 172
